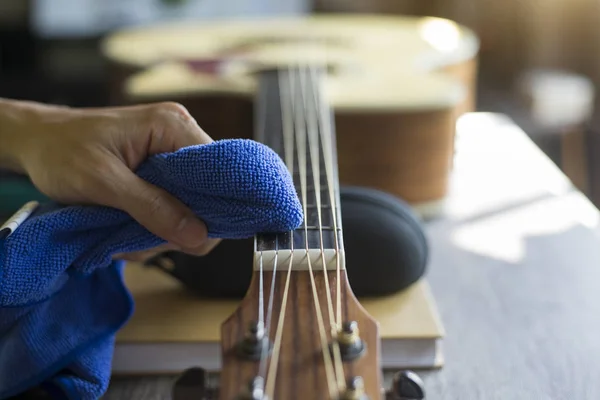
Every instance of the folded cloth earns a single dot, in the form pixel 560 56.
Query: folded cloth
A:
pixel 62 297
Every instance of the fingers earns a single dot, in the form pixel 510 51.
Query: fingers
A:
pixel 174 128
pixel 141 256
pixel 158 211
pixel 162 127
pixel 204 249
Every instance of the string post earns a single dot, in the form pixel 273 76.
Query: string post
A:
pixel 256 331
pixel 255 343
pixel 255 390
pixel 351 345
pixel 406 385
pixel 349 333
pixel 355 389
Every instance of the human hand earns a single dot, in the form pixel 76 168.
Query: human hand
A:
pixel 98 150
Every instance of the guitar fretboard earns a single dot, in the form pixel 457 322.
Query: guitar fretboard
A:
pixel 290 121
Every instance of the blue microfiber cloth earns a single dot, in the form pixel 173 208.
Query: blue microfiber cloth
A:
pixel 62 296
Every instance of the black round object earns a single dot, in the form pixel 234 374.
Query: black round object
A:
pixel 386 251
pixel 192 384
pixel 408 385
pixel 386 248
pixel 225 272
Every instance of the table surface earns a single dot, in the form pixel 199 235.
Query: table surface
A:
pixel 514 271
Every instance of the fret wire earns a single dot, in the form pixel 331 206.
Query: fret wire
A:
pixel 293 165
pixel 299 237
pixel 290 157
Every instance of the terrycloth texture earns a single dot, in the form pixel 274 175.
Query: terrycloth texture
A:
pixel 62 296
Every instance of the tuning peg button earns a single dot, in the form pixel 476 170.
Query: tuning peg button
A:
pixel 407 385
pixel 351 345
pixel 255 344
pixel 192 385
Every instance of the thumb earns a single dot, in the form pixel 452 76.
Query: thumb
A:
pixel 174 128
pixel 159 212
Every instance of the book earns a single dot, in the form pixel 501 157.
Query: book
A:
pixel 172 329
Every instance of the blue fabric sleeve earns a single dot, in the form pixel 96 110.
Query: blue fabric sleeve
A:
pixel 67 340
pixel 62 298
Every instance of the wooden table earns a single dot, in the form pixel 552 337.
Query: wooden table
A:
pixel 515 269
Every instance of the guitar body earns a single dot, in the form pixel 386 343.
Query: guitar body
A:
pixel 396 86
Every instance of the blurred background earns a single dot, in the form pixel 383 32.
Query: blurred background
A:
pixel 538 60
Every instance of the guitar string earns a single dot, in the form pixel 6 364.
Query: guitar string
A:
pixel 288 143
pixel 301 143
pixel 314 134
pixel 267 332
pixel 327 136
pixel 274 359
pixel 261 306
pixel 266 324
pixel 261 311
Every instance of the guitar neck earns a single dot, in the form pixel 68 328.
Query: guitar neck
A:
pixel 293 119
pixel 313 320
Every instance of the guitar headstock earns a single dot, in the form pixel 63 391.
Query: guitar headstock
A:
pixel 286 357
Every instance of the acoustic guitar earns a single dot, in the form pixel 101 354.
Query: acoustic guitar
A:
pixel 396 86
pixel 367 102
pixel 299 332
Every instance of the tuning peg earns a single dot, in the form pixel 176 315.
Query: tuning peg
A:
pixel 255 344
pixel 192 385
pixel 355 390
pixel 255 390
pixel 351 345
pixel 407 385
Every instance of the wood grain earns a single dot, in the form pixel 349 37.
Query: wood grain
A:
pixel 301 373
pixel 410 156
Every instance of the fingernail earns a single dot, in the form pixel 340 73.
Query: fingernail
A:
pixel 192 232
